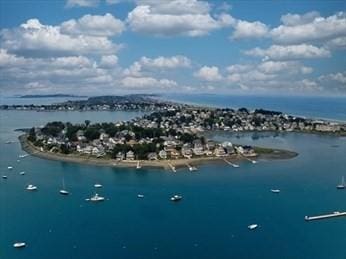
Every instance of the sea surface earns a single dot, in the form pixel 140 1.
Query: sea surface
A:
pixel 219 201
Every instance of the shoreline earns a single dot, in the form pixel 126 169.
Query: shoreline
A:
pixel 275 154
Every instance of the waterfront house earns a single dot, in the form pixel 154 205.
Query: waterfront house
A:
pixel 152 156
pixel 220 151
pixel 120 156
pixel 130 155
pixel 163 154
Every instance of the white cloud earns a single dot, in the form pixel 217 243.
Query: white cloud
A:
pixel 337 43
pixel 245 29
pixel 161 63
pixel 208 73
pixel 278 52
pixel 109 61
pixel 176 17
pixel 35 39
pixel 339 77
pixel 309 27
pixel 296 19
pixel 289 67
pixel 94 25
pixel 147 83
pixel 82 3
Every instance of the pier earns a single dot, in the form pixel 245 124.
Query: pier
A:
pixel 172 167
pixel 326 216
pixel 230 163
pixel 191 168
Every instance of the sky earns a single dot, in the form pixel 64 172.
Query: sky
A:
pixel 97 47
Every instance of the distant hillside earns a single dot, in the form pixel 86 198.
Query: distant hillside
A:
pixel 110 99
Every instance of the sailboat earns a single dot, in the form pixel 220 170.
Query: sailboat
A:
pixel 342 185
pixel 63 191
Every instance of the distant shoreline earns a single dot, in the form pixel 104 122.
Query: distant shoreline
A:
pixel 277 154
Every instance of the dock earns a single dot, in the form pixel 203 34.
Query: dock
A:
pixel 230 163
pixel 172 167
pixel 191 168
pixel 326 216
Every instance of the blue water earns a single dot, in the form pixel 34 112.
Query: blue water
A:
pixel 316 107
pixel 210 222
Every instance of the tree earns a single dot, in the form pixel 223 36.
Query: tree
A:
pixel 87 123
pixel 32 135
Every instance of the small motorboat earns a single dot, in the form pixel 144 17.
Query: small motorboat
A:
pixel 140 196
pixel 64 192
pixel 138 166
pixel 176 198
pixel 31 187
pixel 275 190
pixel 4 177
pixel 96 198
pixel 97 185
pixel 342 184
pixel 192 168
pixel 235 165
pixel 22 173
pixel 254 161
pixel 10 167
pixel 252 226
pixel 19 245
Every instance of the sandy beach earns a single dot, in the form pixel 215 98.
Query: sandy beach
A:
pixel 166 164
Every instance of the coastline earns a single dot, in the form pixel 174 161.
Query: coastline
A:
pixel 275 154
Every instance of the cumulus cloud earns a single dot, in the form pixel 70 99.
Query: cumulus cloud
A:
pixel 208 73
pixel 176 17
pixel 283 52
pixel 309 27
pixel 245 29
pixel 109 61
pixel 94 25
pixel 34 39
pixel 147 83
pixel 161 63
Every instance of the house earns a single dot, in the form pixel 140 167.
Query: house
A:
pixel 120 156
pixel 210 145
pixel 163 154
pixel 152 156
pixel 186 151
pixel 104 137
pixel 130 155
pixel 220 151
pixel 174 153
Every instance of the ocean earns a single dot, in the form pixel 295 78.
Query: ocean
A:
pixel 219 201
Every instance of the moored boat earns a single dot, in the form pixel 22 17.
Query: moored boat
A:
pixel 275 190
pixel 19 245
pixel 342 184
pixel 252 226
pixel 31 187
pixel 176 198
pixel 97 198
pixel 97 185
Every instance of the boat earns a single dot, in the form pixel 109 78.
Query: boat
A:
pixel 4 177
pixel 140 196
pixel 342 184
pixel 235 165
pixel 31 187
pixel 10 167
pixel 192 168
pixel 176 198
pixel 63 191
pixel 96 198
pixel 19 245
pixel 254 161
pixel 275 190
pixel 22 173
pixel 97 185
pixel 22 156
pixel 252 226
pixel 138 165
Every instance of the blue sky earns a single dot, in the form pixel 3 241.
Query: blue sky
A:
pixel 129 46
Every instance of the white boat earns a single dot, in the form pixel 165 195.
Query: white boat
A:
pixel 63 190
pixel 22 156
pixel 252 226
pixel 97 185
pixel 4 177
pixel 31 187
pixel 138 165
pixel 254 161
pixel 235 165
pixel 96 198
pixel 192 168
pixel 275 190
pixel 342 184
pixel 22 173
pixel 19 245
pixel 140 196
pixel 10 167
pixel 176 198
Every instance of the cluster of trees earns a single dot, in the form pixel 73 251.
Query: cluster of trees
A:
pixel 53 128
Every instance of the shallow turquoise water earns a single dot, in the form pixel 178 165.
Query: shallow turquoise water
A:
pixel 210 222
